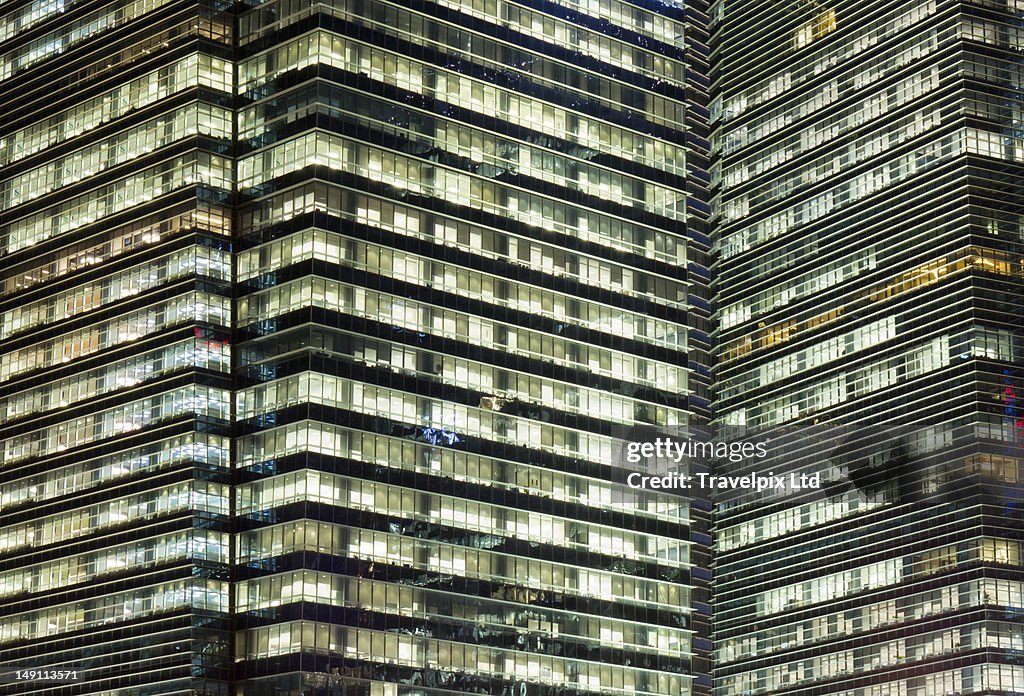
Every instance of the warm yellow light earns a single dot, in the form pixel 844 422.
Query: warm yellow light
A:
pixel 822 25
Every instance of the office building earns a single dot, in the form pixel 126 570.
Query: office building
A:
pixel 471 258
pixel 115 320
pixel 868 219
pixel 321 325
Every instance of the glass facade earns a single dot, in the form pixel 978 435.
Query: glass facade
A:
pixel 115 358
pixel 867 181
pixel 472 254
pixel 322 325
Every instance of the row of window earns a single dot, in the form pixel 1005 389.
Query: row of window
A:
pixel 494 289
pixel 909 364
pixel 29 15
pixel 758 129
pixel 814 281
pixel 918 444
pixel 932 272
pixel 187 262
pixel 90 567
pixel 992 32
pixel 828 587
pixel 835 164
pixel 260 448
pixel 807 251
pixel 488 288
pixel 587 136
pixel 111 64
pixel 656 25
pixel 106 470
pixel 191 71
pixel 634 57
pixel 882 573
pixel 321 47
pixel 985 678
pixel 585 226
pixel 486 616
pixel 115 242
pixel 492 155
pixel 899 169
pixel 427 177
pixel 807 516
pixel 331 247
pixel 418 316
pixel 822 352
pixel 188 308
pixel 998 467
pixel 994 344
pixel 862 446
pixel 822 25
pixel 440 420
pixel 822 394
pixel 121 374
pixel 505 387
pixel 420 652
pixel 1011 6
pixel 59 40
pixel 198 593
pixel 863 37
pixel 801 107
pixel 899 651
pixel 998 428
pixel 466 189
pixel 868 617
pixel 135 142
pixel 482 518
pixel 187 170
pixel 435 556
pixel 826 129
pixel 660 27
pixel 134 415
pixel 197 496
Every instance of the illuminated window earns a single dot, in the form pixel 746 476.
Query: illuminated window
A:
pixel 823 24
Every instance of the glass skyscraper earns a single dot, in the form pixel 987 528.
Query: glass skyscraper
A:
pixel 115 320
pixel 868 182
pixel 320 326
pixel 472 253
